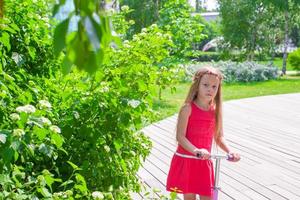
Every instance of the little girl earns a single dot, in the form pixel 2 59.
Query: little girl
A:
pixel 199 122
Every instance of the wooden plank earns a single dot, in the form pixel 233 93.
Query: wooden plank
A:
pixel 265 130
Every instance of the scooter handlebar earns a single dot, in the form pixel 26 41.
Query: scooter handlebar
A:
pixel 221 156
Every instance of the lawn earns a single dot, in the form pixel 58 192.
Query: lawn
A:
pixel 171 102
pixel 278 63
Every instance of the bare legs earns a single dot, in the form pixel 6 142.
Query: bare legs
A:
pixel 189 196
pixel 193 197
pixel 205 198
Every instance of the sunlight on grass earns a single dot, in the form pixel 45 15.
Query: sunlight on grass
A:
pixel 171 102
pixel 278 63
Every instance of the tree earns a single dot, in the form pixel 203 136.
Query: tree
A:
pixel 176 18
pixel 259 25
pixel 197 6
pixel 145 13
pixel 289 9
pixel 241 24
pixel 1 8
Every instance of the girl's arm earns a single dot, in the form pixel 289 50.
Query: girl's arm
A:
pixel 182 123
pixel 221 142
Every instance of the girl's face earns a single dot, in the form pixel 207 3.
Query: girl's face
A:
pixel 208 87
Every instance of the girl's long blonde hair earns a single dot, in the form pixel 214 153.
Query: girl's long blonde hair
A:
pixel 217 101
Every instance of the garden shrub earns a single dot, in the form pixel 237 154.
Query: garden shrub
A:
pixel 294 59
pixel 175 17
pixel 31 145
pixel 25 37
pixel 98 146
pixel 201 56
pixel 239 72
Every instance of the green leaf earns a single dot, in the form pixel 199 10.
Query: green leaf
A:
pixel 91 65
pixel 31 51
pixel 5 40
pixel 16 156
pixel 45 192
pixel 8 155
pixel 80 179
pixel 173 195
pixel 49 180
pixel 66 183
pixel 60 33
pixel 118 144
pixel 9 29
pixel 57 139
pixel 45 150
pixel 75 167
pixel 15 27
pixel 123 165
pixel 40 133
pixel 66 66
pixel 8 77
pixel 4 178
pixel 55 9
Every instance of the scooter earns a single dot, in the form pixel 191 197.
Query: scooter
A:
pixel 217 172
pixel 218 158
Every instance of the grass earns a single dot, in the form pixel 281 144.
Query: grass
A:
pixel 171 102
pixel 278 63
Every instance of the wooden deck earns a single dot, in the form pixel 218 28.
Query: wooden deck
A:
pixel 264 130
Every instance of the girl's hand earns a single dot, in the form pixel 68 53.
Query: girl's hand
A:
pixel 234 157
pixel 202 153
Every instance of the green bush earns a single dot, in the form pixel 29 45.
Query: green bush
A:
pixel 186 30
pixel 239 72
pixel 99 146
pixel 201 56
pixel 25 37
pixel 31 144
pixel 294 59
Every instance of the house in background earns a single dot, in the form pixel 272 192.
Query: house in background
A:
pixel 208 5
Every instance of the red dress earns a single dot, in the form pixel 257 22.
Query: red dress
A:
pixel 188 175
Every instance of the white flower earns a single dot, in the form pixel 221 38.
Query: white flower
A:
pixel 127 46
pixel 124 8
pixel 45 121
pixel 55 129
pixel 159 34
pixel 143 34
pixel 60 194
pixel 4 92
pixel 107 149
pixel 3 138
pixel 135 38
pixel 134 103
pixel 18 132
pixel 44 104
pixel 15 116
pixel 154 26
pixel 69 193
pixel 169 36
pixel 45 19
pixel 17 58
pixel 76 114
pixel 104 86
pixel 31 83
pixel 31 146
pixel 97 195
pixel 144 30
pixel 27 109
